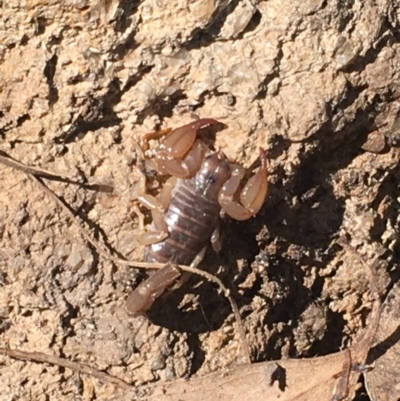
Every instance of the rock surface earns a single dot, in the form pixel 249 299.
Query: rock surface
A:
pixel 317 83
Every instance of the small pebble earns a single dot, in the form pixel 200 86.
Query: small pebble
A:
pixel 375 142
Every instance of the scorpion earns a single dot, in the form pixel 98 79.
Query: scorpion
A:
pixel 186 214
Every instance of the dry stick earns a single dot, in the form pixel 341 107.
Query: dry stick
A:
pixel 11 162
pixel 65 363
pixel 7 160
pixel 141 265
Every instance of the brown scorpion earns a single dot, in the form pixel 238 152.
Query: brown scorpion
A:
pixel 186 213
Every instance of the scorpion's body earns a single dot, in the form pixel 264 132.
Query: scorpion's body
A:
pixel 193 213
pixel 186 220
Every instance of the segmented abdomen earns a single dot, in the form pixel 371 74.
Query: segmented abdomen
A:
pixel 191 218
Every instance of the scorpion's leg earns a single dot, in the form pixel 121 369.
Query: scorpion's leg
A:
pixel 180 155
pixel 252 196
pixel 164 197
pixel 157 215
pixel 156 210
pixel 157 207
pixel 144 295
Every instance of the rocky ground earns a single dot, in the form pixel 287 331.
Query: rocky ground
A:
pixel 314 82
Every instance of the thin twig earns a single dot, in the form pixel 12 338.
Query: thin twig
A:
pixel 9 161
pixel 65 363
